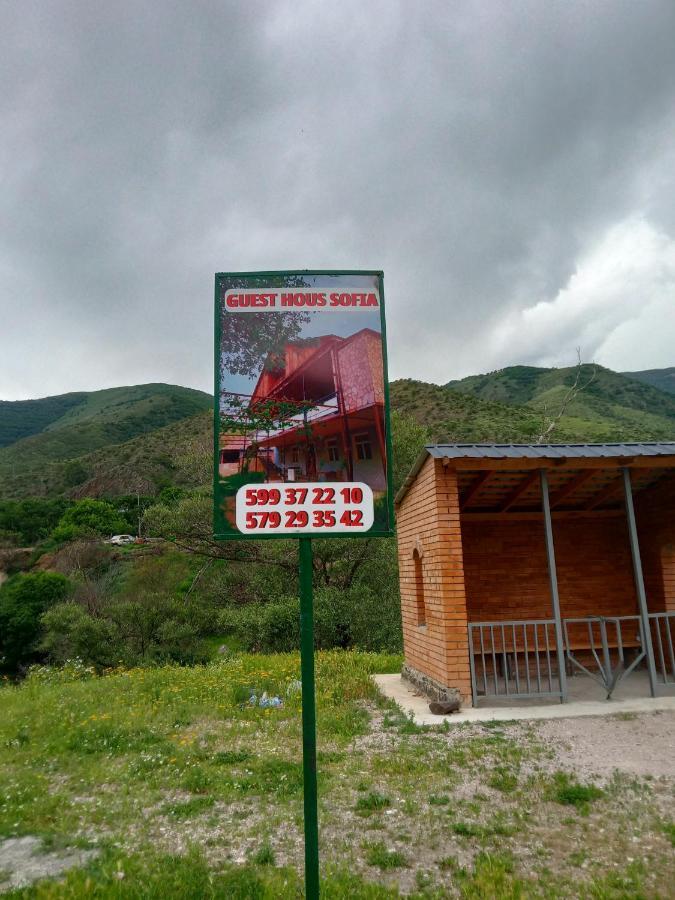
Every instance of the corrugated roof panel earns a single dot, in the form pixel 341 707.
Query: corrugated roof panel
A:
pixel 536 451
pixel 548 451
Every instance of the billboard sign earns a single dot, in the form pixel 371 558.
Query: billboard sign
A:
pixel 302 437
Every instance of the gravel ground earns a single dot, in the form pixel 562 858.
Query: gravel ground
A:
pixel 640 745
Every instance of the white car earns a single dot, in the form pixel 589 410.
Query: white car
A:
pixel 120 539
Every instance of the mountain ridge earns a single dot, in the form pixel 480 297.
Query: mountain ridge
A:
pixel 610 407
pixel 138 439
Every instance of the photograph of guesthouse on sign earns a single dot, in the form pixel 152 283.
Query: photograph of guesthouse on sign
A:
pixel 302 425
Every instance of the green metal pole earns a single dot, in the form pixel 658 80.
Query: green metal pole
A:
pixel 308 721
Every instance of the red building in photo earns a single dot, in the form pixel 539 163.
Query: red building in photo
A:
pixel 338 435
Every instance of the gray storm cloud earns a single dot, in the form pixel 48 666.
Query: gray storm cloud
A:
pixel 509 166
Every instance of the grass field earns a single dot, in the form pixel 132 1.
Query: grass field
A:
pixel 172 785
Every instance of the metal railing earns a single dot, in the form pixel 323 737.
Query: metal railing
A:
pixel 605 641
pixel 662 627
pixel 515 659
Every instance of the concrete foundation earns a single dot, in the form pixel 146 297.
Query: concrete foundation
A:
pixel 586 699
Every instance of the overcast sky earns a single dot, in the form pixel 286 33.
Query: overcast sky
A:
pixel 510 166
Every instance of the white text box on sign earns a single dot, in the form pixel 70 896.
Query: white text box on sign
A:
pixel 305 507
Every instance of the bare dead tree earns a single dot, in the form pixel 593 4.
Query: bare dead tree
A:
pixel 579 385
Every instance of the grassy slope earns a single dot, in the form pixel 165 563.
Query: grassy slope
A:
pixel 143 464
pixel 147 461
pixel 184 776
pixel 612 407
pixel 100 422
pixel 505 407
pixel 663 379
pixel 459 417
pixel 22 418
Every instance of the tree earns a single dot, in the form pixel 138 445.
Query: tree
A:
pixel 88 518
pixel 248 340
pixel 408 439
pixel 23 600
pixel 30 520
pixel 550 423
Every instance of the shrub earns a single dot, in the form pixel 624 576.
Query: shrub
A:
pixel 29 521
pixel 354 618
pixel 23 600
pixel 69 632
pixel 151 627
pixel 89 517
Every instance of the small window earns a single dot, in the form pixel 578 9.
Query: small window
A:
pixel 333 451
pixel 229 456
pixel 420 608
pixel 364 449
pixel 295 454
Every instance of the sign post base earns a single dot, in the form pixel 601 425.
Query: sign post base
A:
pixel 308 720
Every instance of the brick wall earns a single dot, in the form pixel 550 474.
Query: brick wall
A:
pixel 497 570
pixel 506 571
pixel 428 521
pixel 655 514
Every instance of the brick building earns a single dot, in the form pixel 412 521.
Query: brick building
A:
pixel 523 564
pixel 339 382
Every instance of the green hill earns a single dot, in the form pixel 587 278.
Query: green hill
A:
pixel 663 379
pixel 171 455
pixel 139 439
pixel 58 457
pixel 611 407
pixel 23 418
pixel 459 417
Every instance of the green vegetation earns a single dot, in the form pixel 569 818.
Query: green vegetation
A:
pixel 372 802
pixel 378 855
pixel 25 522
pixel 144 438
pixel 84 443
pixel 611 407
pixel 23 600
pixel 663 379
pixel 170 774
pixel 452 416
pixel 23 418
pixel 89 518
pixel 134 732
pixel 566 791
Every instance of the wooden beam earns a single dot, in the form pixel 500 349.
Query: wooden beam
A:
pixel 519 490
pixel 474 488
pixel 571 462
pixel 571 486
pixel 608 491
pixel 536 515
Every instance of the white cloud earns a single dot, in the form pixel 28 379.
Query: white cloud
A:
pixel 618 307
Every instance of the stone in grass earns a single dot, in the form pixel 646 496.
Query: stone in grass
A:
pixel 444 707
pixel 23 861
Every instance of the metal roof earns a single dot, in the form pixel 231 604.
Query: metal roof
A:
pixel 547 451
pixel 534 451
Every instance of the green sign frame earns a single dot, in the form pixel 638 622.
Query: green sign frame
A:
pixel 263 278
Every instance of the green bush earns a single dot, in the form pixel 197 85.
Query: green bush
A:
pixel 70 633
pixel 89 517
pixel 23 600
pixel 28 521
pixel 354 618
pixel 149 628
